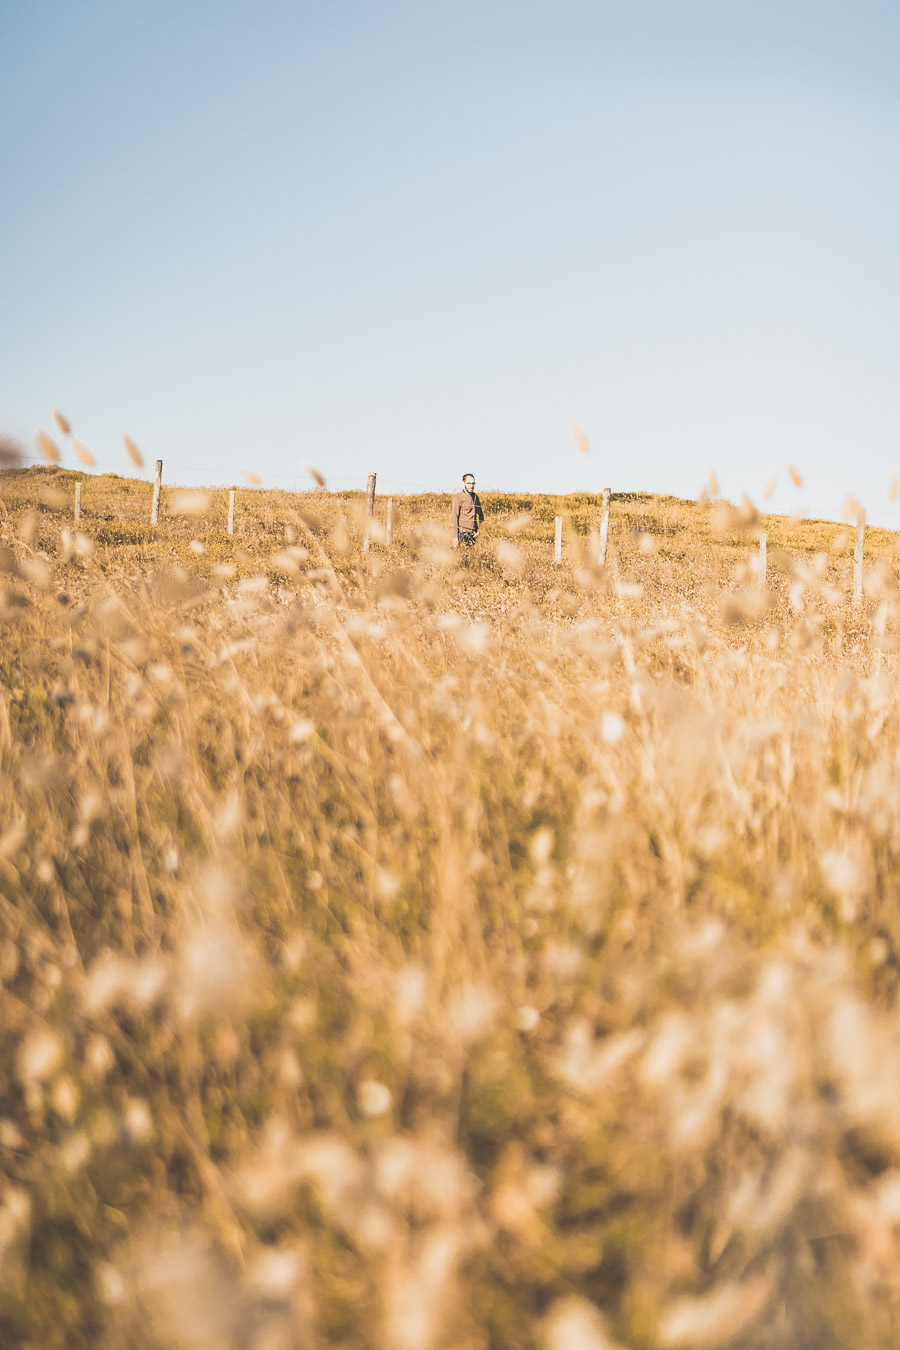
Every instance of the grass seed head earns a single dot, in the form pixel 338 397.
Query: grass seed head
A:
pixel 718 1318
pixel 39 1055
pixel 83 454
pixel 47 446
pixel 315 474
pixel 190 503
pixel 133 452
pixel 11 452
pixel 574 1323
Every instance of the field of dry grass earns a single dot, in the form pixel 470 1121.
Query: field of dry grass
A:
pixel 419 950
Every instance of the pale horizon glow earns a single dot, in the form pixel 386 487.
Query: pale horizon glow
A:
pixel 426 239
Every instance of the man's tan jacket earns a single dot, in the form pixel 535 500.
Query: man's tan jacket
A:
pixel 465 513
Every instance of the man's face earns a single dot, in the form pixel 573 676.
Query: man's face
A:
pixel 469 483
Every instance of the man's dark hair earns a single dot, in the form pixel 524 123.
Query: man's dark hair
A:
pixel 468 475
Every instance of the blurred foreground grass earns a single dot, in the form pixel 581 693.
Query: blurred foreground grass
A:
pixel 415 949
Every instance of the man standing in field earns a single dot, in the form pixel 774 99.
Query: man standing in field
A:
pixel 466 513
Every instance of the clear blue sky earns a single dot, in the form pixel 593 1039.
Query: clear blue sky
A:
pixel 427 237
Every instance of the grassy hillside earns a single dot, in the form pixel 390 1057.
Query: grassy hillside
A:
pixel 413 949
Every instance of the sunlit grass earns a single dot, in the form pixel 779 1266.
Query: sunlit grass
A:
pixel 427 949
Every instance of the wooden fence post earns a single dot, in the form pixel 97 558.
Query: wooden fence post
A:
pixel 858 559
pixel 557 543
pixel 389 535
pixel 77 503
pixel 761 575
pixel 157 489
pixel 231 511
pixel 604 529
pixel 370 509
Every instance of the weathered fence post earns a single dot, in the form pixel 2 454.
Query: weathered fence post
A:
pixel 761 575
pixel 858 559
pixel 370 509
pixel 77 503
pixel 231 511
pixel 157 489
pixel 557 543
pixel 604 529
pixel 389 533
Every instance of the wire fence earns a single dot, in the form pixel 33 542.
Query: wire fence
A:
pixel 298 481
pixel 302 481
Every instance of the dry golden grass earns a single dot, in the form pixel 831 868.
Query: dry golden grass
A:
pixel 413 949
